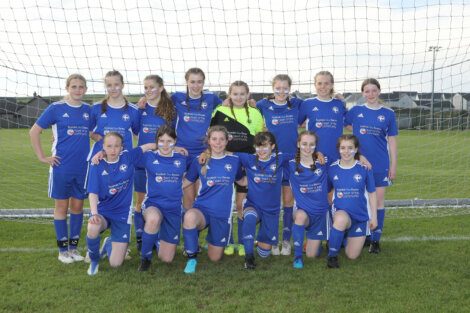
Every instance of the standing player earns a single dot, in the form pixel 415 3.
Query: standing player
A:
pixel 242 123
pixel 281 115
pixel 376 128
pixel 193 116
pixel 109 185
pixel 162 206
pixel 213 205
pixel 157 110
pixel 309 181
pixel 70 121
pixel 324 115
pixel 350 180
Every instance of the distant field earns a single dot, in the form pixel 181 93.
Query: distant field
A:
pixel 431 165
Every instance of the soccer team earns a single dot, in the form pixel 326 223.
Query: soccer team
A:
pixel 194 150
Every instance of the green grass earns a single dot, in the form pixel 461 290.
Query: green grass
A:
pixel 431 165
pixel 410 276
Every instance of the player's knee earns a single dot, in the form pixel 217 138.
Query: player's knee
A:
pixel 190 219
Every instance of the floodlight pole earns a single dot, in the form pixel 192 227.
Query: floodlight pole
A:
pixel 434 49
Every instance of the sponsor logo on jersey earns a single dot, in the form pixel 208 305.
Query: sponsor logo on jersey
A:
pixel 186 118
pixel 70 132
pixel 318 172
pixel 123 167
pixel 315 109
pixel 103 173
pixel 339 194
pixel 360 115
pixel 318 124
pixel 126 117
pixel 303 190
pixel 335 109
pixel 86 116
pixel 381 118
pixel 228 167
pixel 112 191
pixel 363 131
pixel 275 122
pixel 105 132
pixel 357 177
pixel 210 183
pixel 65 115
pixel 177 163
pixel 256 179
pixel 145 130
pixel 158 179
pixel 230 137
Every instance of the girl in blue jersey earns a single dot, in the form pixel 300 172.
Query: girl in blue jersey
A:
pixel 350 180
pixel 110 194
pixel 213 205
pixel 376 128
pixel 281 115
pixel 309 181
pixel 162 206
pixel 324 115
pixel 70 121
pixel 264 171
pixel 193 116
pixel 113 114
pixel 157 110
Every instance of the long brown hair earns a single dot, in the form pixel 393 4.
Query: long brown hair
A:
pixel 165 107
pixel 355 141
pixel 104 103
pixel 212 129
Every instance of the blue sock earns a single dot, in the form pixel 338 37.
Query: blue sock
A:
pixel 230 241
pixel 287 222
pixel 249 230
pixel 76 222
pixel 93 248
pixel 61 234
pixel 263 253
pixel 298 236
pixel 148 241
pixel 377 233
pixel 138 224
pixel 334 243
pixel 191 241
pixel 240 231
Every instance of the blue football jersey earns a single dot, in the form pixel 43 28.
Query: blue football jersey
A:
pixel 372 127
pixel 125 121
pixel 215 194
pixel 264 181
pixel 350 187
pixel 70 129
pixel 164 179
pixel 193 119
pixel 112 182
pixel 149 124
pixel 282 121
pixel 310 188
pixel 326 119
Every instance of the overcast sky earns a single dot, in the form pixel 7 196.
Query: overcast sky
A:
pixel 42 42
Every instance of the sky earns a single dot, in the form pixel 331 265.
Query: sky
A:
pixel 41 43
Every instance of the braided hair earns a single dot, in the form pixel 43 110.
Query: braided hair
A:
pixel 239 83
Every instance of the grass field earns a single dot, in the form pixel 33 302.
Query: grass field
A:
pixel 424 267
pixel 431 165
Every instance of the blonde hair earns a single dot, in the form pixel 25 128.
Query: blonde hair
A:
pixel 326 73
pixel 212 129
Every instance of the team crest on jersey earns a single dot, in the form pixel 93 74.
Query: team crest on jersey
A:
pixel 339 194
pixel 204 105
pixel 318 172
pixel 158 179
pixel 112 191
pixel 256 179
pixel 335 109
pixel 186 118
pixel 303 190
pixel 228 167
pixel 126 117
pixel 357 177
pixel 177 163
pixel 363 131
pixel 123 167
pixel 315 109
pixel 318 124
pixel 381 118
pixel 210 183
pixel 70 132
pixel 86 116
pixel 272 167
pixel 275 122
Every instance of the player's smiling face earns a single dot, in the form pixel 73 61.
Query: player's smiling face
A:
pixel 347 150
pixel 371 93
pixel 112 145
pixel 195 85
pixel 165 145
pixel 153 90
pixel 265 150
pixel 306 145
pixel 281 90
pixel 76 90
pixel 217 142
pixel 323 86
pixel 114 86
pixel 239 95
